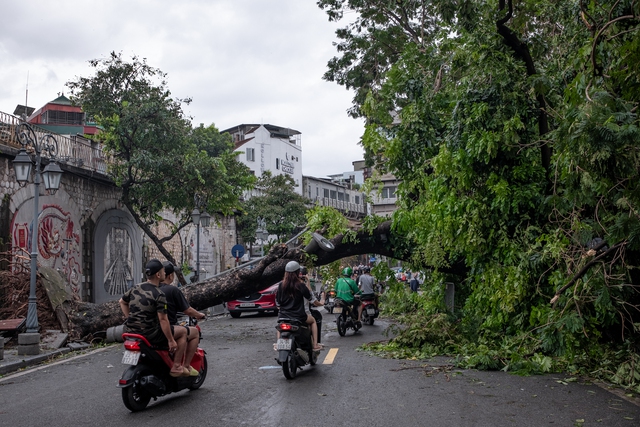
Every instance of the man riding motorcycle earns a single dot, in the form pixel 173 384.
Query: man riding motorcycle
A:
pixel 346 289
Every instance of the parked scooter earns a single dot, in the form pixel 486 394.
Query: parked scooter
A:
pixel 347 318
pixel 294 346
pixel 148 376
pixel 369 308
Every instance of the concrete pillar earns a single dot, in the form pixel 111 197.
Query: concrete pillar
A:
pixel 28 344
pixel 449 294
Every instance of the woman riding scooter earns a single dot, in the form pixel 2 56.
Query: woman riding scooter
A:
pixel 290 297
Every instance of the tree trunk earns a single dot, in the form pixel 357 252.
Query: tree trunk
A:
pixel 86 319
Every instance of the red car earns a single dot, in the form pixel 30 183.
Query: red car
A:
pixel 263 302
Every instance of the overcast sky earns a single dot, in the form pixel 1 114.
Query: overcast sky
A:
pixel 241 61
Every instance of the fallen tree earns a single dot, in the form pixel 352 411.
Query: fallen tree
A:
pixel 82 320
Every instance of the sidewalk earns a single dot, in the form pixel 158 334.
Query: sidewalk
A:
pixel 53 344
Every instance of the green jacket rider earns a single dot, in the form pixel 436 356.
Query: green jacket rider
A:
pixel 346 287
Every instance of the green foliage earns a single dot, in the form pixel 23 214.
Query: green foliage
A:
pixel 276 205
pixel 515 136
pixel 331 221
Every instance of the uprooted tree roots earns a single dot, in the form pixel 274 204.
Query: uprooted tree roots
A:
pixel 14 299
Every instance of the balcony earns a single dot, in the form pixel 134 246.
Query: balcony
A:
pixel 75 150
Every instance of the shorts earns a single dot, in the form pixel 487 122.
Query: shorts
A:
pixel 158 339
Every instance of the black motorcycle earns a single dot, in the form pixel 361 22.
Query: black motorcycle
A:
pixel 294 345
pixel 347 318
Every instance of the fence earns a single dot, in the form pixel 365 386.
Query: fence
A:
pixel 74 150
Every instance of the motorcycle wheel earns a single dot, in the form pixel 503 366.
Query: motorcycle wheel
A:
pixel 365 317
pixel 289 368
pixel 342 324
pixel 134 397
pixel 200 378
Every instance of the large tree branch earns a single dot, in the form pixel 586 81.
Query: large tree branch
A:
pixel 85 319
pixel 586 268
pixel 522 52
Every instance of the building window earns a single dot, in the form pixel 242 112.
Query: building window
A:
pixel 277 163
pixel 251 155
pixel 389 193
pixel 341 197
pixel 357 200
pixel 346 198
pixel 333 194
pixel 326 193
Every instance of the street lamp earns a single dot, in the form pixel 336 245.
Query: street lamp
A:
pixel 261 234
pixel 198 219
pixel 51 175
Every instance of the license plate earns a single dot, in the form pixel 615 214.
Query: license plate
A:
pixel 283 344
pixel 247 304
pixel 330 300
pixel 371 311
pixel 130 357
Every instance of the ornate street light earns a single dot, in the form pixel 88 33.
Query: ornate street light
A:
pixel 198 219
pixel 52 174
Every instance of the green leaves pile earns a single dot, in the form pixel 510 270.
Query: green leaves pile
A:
pixel 514 129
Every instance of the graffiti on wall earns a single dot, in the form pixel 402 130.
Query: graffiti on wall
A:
pixel 58 244
pixel 118 262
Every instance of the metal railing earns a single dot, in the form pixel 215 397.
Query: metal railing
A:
pixel 340 205
pixel 74 150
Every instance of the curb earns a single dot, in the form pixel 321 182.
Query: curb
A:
pixel 26 361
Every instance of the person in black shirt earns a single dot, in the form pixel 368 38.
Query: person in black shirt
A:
pixel 176 302
pixel 290 297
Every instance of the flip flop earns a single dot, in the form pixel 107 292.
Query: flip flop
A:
pixel 176 374
pixel 193 372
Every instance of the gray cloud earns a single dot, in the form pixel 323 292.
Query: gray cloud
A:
pixel 241 61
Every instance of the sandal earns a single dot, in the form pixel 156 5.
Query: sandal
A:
pixel 175 374
pixel 193 372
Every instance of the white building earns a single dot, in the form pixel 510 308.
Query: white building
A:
pixel 269 148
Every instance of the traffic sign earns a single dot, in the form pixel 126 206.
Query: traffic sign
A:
pixel 237 251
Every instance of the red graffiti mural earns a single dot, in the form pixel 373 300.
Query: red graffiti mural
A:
pixel 58 243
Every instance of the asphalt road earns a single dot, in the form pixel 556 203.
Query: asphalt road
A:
pixel 246 387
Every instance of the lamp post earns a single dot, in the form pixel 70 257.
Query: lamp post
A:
pixel 262 235
pixel 198 219
pixel 51 175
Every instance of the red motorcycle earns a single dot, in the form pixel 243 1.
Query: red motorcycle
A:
pixel 369 308
pixel 148 376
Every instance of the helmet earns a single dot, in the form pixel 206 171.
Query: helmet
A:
pixel 347 271
pixel 292 266
pixel 366 269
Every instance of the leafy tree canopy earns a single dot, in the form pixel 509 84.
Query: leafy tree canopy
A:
pixel 274 204
pixel 156 157
pixel 514 129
